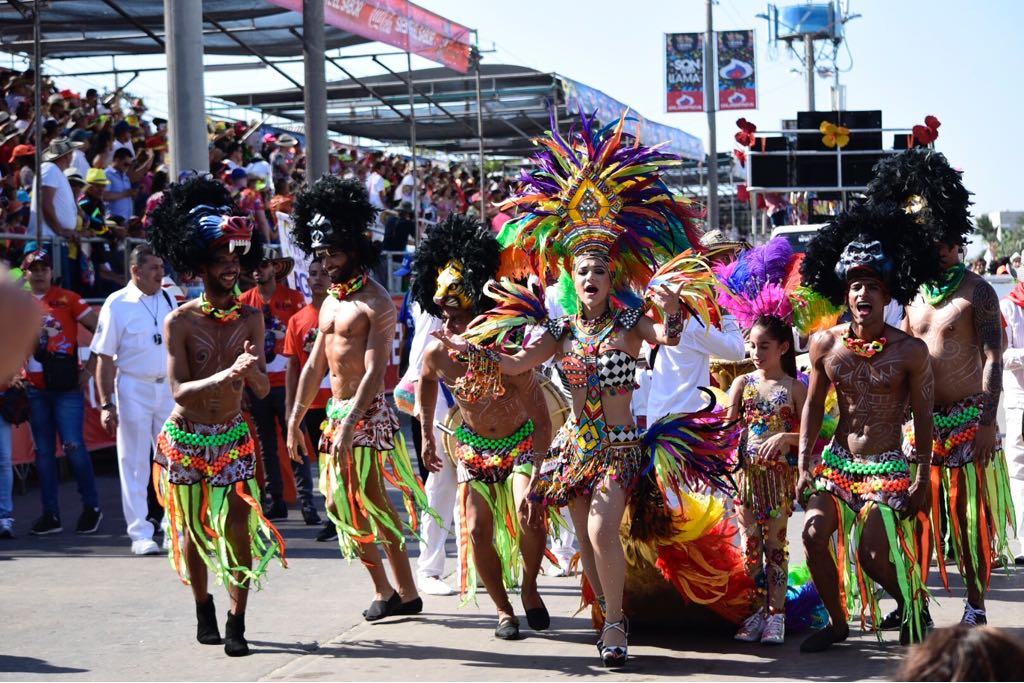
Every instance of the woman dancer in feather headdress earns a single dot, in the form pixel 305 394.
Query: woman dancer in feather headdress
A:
pixel 600 218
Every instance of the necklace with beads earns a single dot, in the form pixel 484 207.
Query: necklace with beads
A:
pixel 343 290
pixel 221 315
pixel 594 326
pixel 863 347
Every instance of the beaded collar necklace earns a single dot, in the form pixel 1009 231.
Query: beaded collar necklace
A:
pixel 221 315
pixel 863 347
pixel 343 290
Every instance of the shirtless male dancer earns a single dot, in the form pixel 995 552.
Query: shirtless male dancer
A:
pixel 205 448
pixel 362 437
pixel 957 315
pixel 506 427
pixel 864 479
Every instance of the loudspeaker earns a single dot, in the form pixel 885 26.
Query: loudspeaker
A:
pixel 849 119
pixel 857 169
pixel 819 171
pixel 769 171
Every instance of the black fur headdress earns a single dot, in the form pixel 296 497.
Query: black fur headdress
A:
pixel 463 239
pixel 336 213
pixel 921 181
pixel 194 218
pixel 880 238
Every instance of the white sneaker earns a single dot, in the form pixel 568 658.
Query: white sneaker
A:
pixel 774 630
pixel 432 585
pixel 145 547
pixel 752 628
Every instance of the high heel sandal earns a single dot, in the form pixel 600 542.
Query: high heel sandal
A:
pixel 614 656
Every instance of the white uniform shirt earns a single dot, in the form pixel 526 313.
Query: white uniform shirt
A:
pixel 423 325
pixel 679 370
pixel 127 324
pixel 1013 355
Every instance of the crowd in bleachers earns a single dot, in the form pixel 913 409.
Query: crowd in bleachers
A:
pixel 105 165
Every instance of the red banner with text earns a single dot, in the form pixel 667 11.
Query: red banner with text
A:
pixel 398 23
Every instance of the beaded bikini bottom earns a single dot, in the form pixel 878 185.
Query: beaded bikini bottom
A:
pixel 492 460
pixel 859 479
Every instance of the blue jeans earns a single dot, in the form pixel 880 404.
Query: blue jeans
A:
pixel 61 412
pixel 6 472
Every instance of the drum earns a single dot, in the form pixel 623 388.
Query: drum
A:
pixel 558 409
pixel 724 372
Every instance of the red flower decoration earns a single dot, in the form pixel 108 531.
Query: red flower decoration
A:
pixel 741 157
pixel 929 132
pixel 746 135
pixel 742 194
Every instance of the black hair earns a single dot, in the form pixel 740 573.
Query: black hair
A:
pixel 121 153
pixel 462 238
pixel 140 253
pixel 912 248
pixel 346 205
pixel 176 239
pixel 927 174
pixel 779 330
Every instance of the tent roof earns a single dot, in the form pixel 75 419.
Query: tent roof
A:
pixel 516 101
pixel 82 28
pixel 517 104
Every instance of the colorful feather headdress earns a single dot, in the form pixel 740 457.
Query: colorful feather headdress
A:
pixel 765 281
pixel 594 194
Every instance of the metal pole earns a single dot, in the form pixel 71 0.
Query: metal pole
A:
pixel 711 104
pixel 183 20
pixel 475 56
pixel 37 66
pixel 314 94
pixel 412 146
pixel 809 59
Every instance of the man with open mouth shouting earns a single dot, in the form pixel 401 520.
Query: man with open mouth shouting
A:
pixel 862 490
pixel 361 441
pixel 505 430
pixel 957 315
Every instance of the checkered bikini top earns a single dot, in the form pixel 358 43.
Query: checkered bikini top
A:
pixel 615 367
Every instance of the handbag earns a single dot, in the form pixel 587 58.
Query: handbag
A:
pixel 14 405
pixel 60 371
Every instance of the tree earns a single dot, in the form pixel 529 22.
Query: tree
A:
pixel 985 228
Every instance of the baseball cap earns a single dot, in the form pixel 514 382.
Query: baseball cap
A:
pixel 35 257
pixel 121 127
pixel 238 173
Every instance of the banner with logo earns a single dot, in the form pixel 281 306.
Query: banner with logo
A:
pixel 684 72
pixel 401 24
pixel 298 279
pixel 737 83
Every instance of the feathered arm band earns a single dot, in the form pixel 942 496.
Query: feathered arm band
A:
pixel 516 306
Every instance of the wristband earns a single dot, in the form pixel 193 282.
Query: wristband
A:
pixel 107 406
pixel 674 325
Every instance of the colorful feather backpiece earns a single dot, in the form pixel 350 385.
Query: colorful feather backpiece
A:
pixel 516 306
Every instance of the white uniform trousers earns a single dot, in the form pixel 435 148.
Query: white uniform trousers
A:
pixel 143 407
pixel 441 488
pixel 1013 445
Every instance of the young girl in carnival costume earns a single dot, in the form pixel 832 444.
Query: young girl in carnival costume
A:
pixel 598 217
pixel 205 465
pixel 761 289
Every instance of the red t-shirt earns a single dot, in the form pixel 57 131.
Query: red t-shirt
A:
pixel 284 303
pixel 298 342
pixel 61 311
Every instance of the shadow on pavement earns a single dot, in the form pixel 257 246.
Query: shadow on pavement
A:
pixel 31 665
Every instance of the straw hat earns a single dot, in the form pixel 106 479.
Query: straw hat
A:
pixel 58 148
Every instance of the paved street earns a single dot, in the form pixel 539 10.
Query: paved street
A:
pixel 83 608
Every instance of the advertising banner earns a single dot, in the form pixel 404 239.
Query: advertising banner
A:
pixel 737 78
pixel 401 24
pixel 684 72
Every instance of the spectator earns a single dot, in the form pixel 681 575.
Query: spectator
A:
pixel 57 206
pixel 56 397
pixel 129 340
pixel 964 653
pixel 91 202
pixel 123 137
pixel 233 156
pixel 23 159
pixel 282 159
pixel 399 233
pixel 279 303
pixel 80 139
pixel 249 199
pixel 122 190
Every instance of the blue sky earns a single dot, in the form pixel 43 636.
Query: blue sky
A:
pixel 958 61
